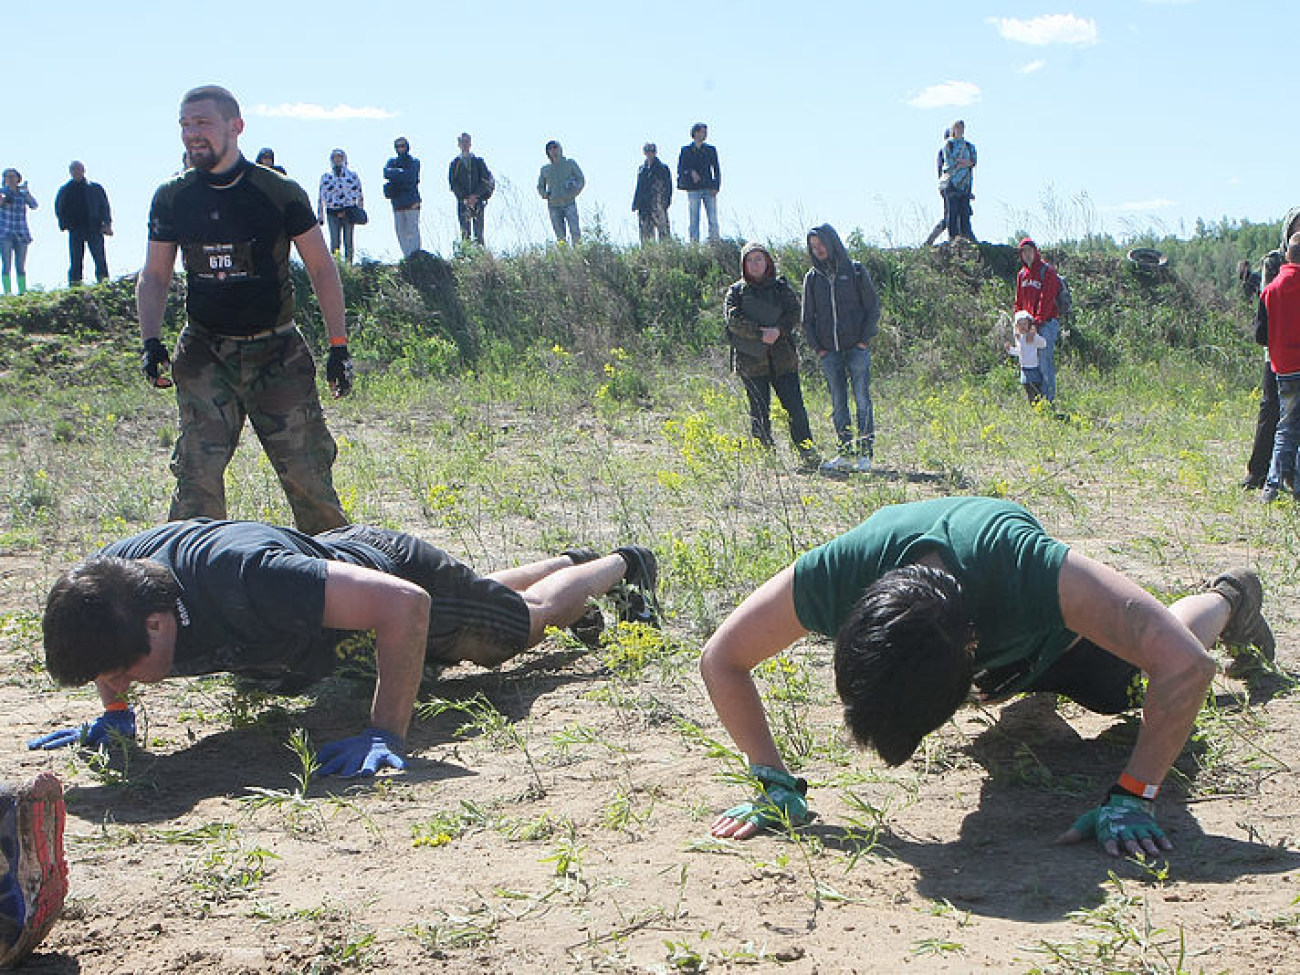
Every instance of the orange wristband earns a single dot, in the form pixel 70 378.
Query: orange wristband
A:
pixel 1139 789
pixel 338 340
pixel 118 705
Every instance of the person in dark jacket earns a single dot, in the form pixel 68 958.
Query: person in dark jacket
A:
pixel 762 312
pixel 402 188
pixel 83 212
pixel 266 157
pixel 472 183
pixel 699 174
pixel 654 192
pixel 840 316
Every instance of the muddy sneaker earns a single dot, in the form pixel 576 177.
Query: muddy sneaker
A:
pixel 35 879
pixel 588 627
pixel 1246 627
pixel 635 598
pixel 581 556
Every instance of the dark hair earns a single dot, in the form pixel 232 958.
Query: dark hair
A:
pixel 265 153
pixel 95 616
pixel 553 144
pixel 225 101
pixel 903 663
pixel 697 126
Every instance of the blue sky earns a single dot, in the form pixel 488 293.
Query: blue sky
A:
pixel 1112 117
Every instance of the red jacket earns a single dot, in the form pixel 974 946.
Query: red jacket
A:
pixel 1282 302
pixel 1036 288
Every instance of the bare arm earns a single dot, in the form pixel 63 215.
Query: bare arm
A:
pixel 324 274
pixel 760 627
pixel 151 287
pixel 358 598
pixel 1118 615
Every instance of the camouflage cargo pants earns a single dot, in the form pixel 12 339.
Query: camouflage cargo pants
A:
pixel 272 383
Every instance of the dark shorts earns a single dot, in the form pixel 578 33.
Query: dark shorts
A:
pixel 1086 674
pixel 471 618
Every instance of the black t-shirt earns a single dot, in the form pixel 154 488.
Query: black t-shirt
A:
pixel 252 595
pixel 234 230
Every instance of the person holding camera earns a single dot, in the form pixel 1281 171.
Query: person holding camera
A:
pixel 15 201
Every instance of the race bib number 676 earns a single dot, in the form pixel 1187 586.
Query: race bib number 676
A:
pixel 219 262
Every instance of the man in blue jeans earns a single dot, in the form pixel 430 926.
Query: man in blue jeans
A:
pixel 1278 321
pixel 699 174
pixel 840 315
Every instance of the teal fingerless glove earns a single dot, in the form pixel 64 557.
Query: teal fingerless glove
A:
pixel 1123 816
pixel 781 800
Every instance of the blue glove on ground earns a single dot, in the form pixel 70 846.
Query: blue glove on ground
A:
pixel 363 754
pixel 781 798
pixel 92 734
pixel 1122 819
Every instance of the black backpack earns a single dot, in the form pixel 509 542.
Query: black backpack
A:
pixel 1064 300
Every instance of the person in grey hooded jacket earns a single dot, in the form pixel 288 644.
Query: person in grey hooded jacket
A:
pixel 840 316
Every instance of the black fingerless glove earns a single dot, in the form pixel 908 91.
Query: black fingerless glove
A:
pixel 338 370
pixel 152 357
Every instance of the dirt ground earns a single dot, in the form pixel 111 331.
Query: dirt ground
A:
pixel 580 843
pixel 568 830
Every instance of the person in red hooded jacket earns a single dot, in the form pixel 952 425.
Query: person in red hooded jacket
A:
pixel 1278 318
pixel 1036 289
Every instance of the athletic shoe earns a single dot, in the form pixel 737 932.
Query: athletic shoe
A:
pixel 581 556
pixel 1268 495
pixel 634 598
pixel 35 879
pixel 839 464
pixel 1246 626
pixel 1252 483
pixel 862 465
pixel 809 459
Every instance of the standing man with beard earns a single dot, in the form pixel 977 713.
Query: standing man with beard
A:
pixel 240 354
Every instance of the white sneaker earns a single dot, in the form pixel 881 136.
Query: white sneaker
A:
pixel 862 464
pixel 837 465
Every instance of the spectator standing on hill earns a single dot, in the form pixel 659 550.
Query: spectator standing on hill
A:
pixel 559 184
pixel 841 315
pixel 266 157
pixel 1036 288
pixel 654 192
pixel 1025 343
pixel 341 203
pixel 402 189
pixel 957 181
pixel 1261 454
pixel 240 355
pixel 699 174
pixel 202 597
pixel 1278 322
pixel 82 210
pixel 15 200
pixel 942 225
pixel 473 183
pixel 929 600
pixel 762 314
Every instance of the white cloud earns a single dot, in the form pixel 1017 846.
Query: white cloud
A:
pixel 1141 206
pixel 1033 66
pixel 947 94
pixel 311 112
pixel 1048 29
